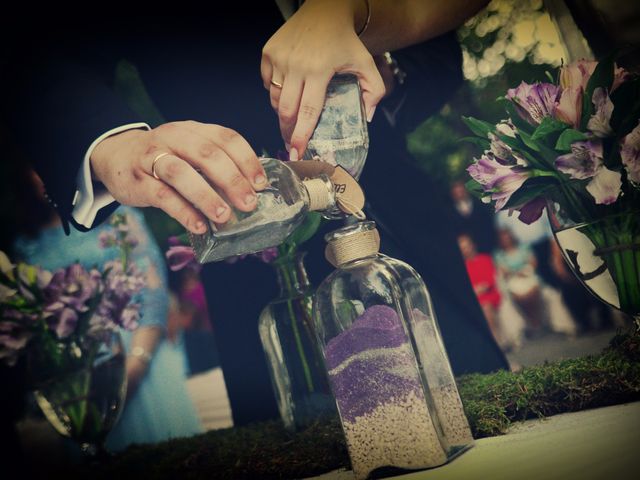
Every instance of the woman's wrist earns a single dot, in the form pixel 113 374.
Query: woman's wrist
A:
pixel 141 354
pixel 355 12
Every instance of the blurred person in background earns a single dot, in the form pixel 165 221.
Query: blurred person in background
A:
pixel 483 276
pixel 541 305
pixel 190 317
pixel 474 218
pixel 157 407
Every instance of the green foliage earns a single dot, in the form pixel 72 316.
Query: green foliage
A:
pixel 304 232
pixel 479 127
pixel 547 128
pixel 567 137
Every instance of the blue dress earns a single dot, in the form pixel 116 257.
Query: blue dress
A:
pixel 161 407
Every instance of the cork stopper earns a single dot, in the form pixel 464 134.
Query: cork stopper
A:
pixel 352 243
pixel 321 193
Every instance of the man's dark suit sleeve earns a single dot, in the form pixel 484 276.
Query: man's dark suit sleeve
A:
pixel 57 106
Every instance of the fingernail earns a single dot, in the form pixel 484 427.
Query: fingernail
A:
pixel 249 199
pixel 200 226
pixel 220 211
pixel 293 154
pixel 287 146
pixel 260 179
pixel 370 114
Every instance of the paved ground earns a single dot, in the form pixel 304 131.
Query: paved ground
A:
pixel 553 346
pixel 599 444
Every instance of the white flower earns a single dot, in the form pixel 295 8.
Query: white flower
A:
pixel 605 186
pixel 599 121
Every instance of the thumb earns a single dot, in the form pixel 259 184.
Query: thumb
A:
pixel 372 86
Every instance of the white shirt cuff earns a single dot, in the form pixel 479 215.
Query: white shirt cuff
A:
pixel 87 202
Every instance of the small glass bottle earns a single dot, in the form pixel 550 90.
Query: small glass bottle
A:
pixel 281 207
pixel 341 136
pixel 396 395
pixel 288 338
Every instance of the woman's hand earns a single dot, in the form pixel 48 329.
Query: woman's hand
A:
pixel 199 167
pixel 300 59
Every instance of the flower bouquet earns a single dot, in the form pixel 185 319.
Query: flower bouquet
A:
pixel 65 324
pixel 572 146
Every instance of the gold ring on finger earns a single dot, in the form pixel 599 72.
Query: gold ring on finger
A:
pixel 276 84
pixel 153 165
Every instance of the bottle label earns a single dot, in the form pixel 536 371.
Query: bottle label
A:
pixel 349 195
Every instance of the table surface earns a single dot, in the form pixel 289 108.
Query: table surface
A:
pixel 598 444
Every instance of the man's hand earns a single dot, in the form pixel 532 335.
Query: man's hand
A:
pixel 206 168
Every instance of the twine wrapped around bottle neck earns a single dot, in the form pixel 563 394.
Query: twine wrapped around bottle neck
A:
pixel 354 246
pixel 320 191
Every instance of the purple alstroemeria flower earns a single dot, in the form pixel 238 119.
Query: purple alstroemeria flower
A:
pixel 107 239
pixel 268 255
pixel 584 160
pixel 532 211
pixel 599 121
pixel 506 127
pixel 500 150
pixel 534 102
pixel 577 74
pixel 620 75
pixel 130 316
pixel 180 256
pixel 630 154
pixel 68 294
pixel 568 108
pixel 120 288
pixel 498 180
pixel 67 320
pixel 605 187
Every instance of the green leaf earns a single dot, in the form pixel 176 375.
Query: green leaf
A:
pixel 567 138
pixel 602 76
pixel 478 127
pixel 520 124
pixel 474 188
pixel 306 230
pixel 483 143
pixel 528 141
pixel 547 127
pixel 530 189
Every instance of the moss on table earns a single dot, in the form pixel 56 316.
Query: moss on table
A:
pixel 492 402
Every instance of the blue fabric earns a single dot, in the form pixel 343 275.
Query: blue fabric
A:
pixel 161 408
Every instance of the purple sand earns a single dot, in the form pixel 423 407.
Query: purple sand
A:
pixel 377 327
pixel 374 367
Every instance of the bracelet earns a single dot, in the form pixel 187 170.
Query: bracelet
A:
pixel 141 354
pixel 398 74
pixel 367 20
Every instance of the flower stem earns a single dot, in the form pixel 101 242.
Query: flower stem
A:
pixel 294 326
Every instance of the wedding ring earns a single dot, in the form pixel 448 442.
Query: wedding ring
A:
pixel 276 84
pixel 153 165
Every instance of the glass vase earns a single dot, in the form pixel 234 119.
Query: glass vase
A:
pixel 80 387
pixel 603 254
pixel 295 364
